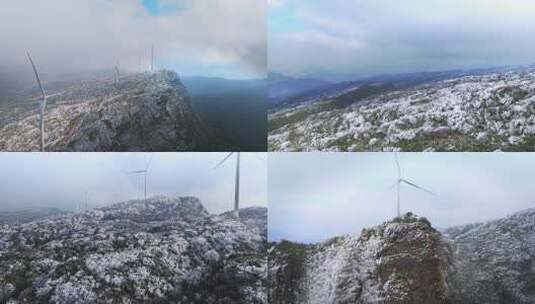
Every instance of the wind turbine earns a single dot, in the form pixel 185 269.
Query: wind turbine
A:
pixel 402 180
pixel 237 180
pixel 144 173
pixel 43 104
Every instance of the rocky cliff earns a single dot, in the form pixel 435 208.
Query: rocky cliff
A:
pixel 405 260
pixel 157 251
pixel 142 112
pixel 400 261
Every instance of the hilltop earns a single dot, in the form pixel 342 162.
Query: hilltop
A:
pixel 141 112
pixel 155 251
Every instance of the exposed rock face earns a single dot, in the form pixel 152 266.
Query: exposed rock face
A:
pixel 163 250
pixel 495 261
pixel 143 112
pixel 471 113
pixel 256 216
pixel 400 261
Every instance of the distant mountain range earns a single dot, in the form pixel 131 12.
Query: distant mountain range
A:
pixel 30 215
pixel 286 90
pixel 406 260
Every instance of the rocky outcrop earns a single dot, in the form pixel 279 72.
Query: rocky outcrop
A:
pixel 162 250
pixel 142 112
pixel 407 261
pixel 400 261
pixel 256 216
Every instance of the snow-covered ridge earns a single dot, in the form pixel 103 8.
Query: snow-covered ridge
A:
pixel 160 250
pixel 142 112
pixel 471 113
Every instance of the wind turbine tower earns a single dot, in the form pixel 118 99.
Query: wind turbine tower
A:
pixel 144 172
pixel 236 180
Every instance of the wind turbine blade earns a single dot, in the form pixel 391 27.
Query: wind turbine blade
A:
pixel 416 186
pixel 224 159
pixel 137 172
pixel 36 74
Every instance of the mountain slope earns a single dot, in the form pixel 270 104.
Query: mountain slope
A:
pixel 487 112
pixel 162 250
pixel 142 112
pixel 495 261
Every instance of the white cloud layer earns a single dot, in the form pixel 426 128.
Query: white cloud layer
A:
pixel 399 36
pixel 201 37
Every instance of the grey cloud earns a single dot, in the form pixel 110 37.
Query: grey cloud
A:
pixel 407 37
pixel 67 36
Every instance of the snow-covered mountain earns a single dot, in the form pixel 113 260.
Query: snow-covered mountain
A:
pixel 494 111
pixel 405 260
pixel 400 261
pixel 157 251
pixel 495 261
pixel 142 112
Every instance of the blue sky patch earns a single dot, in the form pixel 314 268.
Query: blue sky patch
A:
pixel 157 7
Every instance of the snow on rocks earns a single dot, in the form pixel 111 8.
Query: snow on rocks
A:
pixel 448 115
pixel 163 249
pixel 396 262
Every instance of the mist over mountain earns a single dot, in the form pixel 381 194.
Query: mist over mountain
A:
pixel 235 107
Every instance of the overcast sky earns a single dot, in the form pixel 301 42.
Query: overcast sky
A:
pixel 222 38
pixel 315 196
pixel 360 37
pixel 31 180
